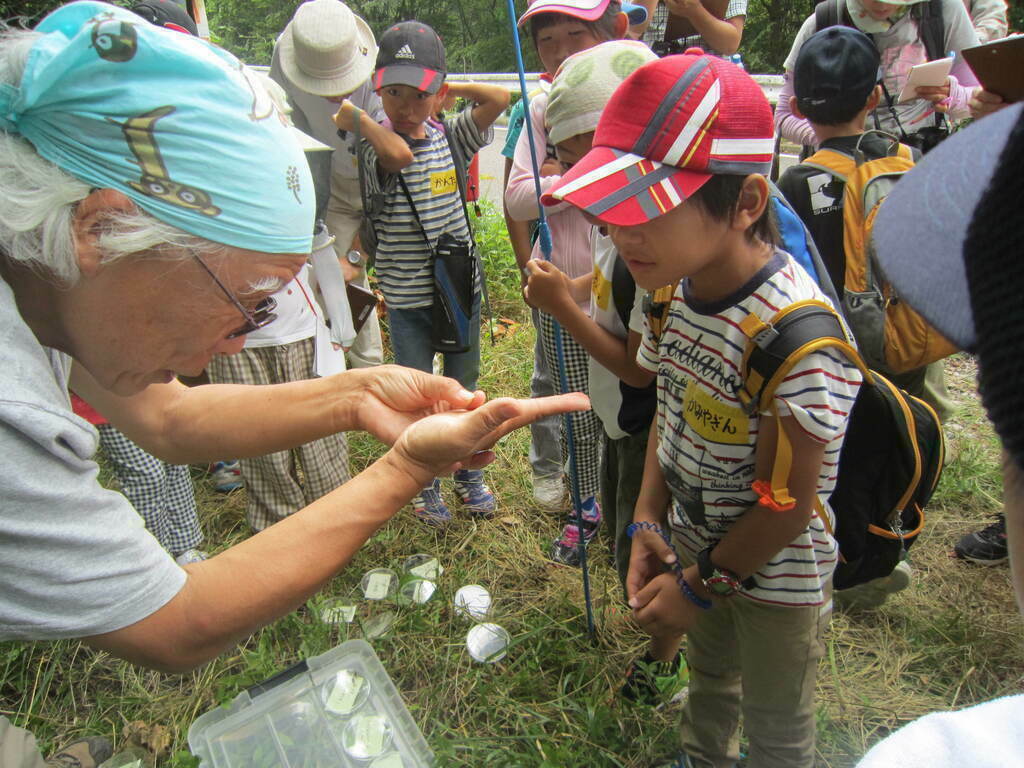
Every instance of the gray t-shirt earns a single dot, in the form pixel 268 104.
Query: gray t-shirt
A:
pixel 75 558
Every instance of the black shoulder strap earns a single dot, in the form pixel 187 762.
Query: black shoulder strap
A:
pixel 623 291
pixel 461 164
pixel 461 167
pixel 797 328
pixel 828 13
pixel 931 28
pixel 415 213
pixel 822 276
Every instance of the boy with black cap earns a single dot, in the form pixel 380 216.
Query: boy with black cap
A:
pixel 412 148
pixel 836 86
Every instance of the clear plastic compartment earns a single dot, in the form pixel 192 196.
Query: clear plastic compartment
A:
pixel 338 709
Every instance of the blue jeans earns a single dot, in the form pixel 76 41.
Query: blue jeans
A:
pixel 410 339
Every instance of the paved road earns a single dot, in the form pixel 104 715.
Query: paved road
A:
pixel 492 167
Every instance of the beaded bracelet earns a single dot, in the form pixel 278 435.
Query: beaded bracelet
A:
pixel 677 568
pixel 633 527
pixel 693 597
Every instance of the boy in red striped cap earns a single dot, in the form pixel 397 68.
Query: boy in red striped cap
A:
pixel 676 177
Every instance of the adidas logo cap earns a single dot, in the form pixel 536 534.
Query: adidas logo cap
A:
pixel 410 53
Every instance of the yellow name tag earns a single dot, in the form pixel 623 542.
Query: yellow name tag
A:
pixel 443 182
pixel 601 287
pixel 714 420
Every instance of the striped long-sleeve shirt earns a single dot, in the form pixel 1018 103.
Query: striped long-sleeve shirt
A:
pixel 706 442
pixel 403 262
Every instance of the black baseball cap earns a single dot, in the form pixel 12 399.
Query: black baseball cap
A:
pixel 410 53
pixel 835 72
pixel 166 13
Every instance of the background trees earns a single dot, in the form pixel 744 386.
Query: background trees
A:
pixel 475 32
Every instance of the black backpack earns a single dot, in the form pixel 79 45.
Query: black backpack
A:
pixel 892 455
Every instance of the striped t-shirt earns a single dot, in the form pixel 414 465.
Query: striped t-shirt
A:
pixel 706 445
pixel 403 260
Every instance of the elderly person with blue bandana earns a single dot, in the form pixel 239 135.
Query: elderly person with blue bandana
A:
pixel 151 201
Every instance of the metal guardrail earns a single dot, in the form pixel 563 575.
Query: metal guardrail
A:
pixel 771 85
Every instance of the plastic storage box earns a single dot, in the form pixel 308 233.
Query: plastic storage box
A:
pixel 335 710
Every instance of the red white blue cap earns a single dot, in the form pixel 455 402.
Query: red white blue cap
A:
pixel 670 126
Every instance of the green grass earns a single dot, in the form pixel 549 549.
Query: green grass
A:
pixel 952 639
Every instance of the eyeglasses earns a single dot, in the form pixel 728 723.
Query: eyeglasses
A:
pixel 260 315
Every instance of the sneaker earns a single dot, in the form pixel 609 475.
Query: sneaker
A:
pixel 656 682
pixel 429 507
pixel 474 493
pixel 872 594
pixel 190 556
pixel 565 549
pixel 227 476
pixel 985 547
pixel 549 492
pixel 84 753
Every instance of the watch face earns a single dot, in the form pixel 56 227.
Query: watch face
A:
pixel 722 585
pixel 354 257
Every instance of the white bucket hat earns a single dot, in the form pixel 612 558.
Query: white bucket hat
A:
pixel 326 49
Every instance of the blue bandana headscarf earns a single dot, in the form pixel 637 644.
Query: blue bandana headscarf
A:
pixel 176 124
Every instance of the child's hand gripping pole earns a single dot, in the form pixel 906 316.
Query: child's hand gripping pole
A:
pixel 544 238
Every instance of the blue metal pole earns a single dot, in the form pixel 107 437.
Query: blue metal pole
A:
pixel 544 237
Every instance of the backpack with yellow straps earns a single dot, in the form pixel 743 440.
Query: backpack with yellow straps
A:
pixel 892 454
pixel 891 335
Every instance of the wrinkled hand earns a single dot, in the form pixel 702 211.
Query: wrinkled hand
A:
pixel 661 609
pixel 349 271
pixel 984 102
pixel 547 287
pixel 393 397
pixel 936 94
pixel 440 444
pixel 648 559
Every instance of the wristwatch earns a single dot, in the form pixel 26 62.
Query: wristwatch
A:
pixel 718 581
pixel 354 257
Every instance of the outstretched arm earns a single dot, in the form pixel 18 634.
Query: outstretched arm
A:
pixel 183 425
pixel 239 590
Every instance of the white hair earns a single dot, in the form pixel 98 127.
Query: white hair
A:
pixel 38 200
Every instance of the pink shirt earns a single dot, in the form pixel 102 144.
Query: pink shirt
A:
pixel 570 232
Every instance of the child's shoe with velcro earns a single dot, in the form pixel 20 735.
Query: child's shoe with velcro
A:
pixel 474 493
pixel 429 507
pixel 565 549
pixel 656 682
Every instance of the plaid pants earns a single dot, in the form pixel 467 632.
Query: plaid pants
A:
pixel 281 483
pixel 586 427
pixel 160 492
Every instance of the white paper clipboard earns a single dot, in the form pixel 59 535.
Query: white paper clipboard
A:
pixel 931 73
